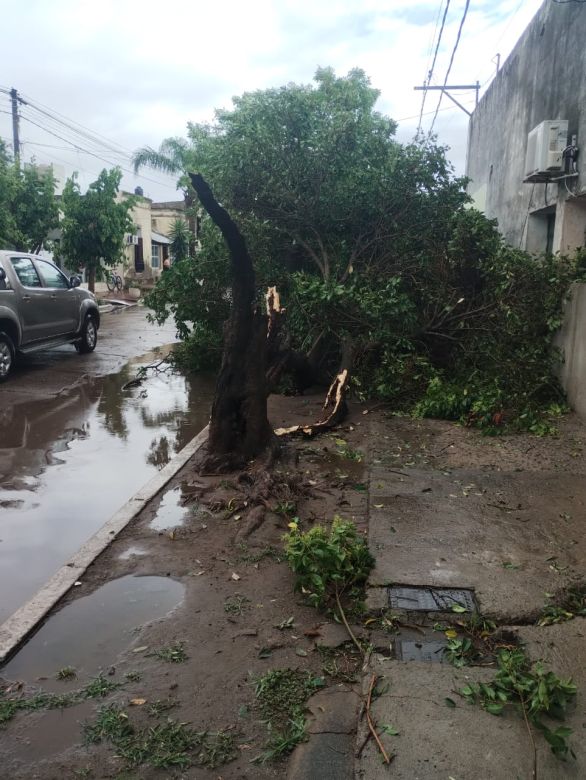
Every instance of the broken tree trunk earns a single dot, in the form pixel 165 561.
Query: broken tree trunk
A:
pixel 239 426
pixel 281 358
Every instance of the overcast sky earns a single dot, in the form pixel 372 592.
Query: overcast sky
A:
pixel 135 71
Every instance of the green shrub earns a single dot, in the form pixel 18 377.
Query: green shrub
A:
pixel 328 562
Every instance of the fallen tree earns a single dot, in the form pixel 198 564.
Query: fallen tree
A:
pixel 374 246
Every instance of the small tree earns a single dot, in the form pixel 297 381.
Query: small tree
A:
pixel 6 193
pixel 180 236
pixel 34 208
pixel 28 207
pixel 94 224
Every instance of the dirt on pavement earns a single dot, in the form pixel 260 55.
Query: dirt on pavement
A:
pixel 201 574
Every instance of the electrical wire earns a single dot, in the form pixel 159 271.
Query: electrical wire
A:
pixel 93 154
pixel 74 125
pixel 454 50
pixel 430 72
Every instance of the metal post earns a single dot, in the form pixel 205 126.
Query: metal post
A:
pixel 15 135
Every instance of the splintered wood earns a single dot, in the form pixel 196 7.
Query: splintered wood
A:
pixel 334 409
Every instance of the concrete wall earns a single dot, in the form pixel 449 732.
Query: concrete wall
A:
pixel 572 341
pixel 543 78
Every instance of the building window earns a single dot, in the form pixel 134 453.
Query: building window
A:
pixel 156 256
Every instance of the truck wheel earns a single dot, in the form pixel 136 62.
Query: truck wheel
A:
pixel 89 335
pixel 6 356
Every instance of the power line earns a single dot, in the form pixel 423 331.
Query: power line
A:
pixel 430 73
pixel 74 125
pixel 93 154
pixel 454 50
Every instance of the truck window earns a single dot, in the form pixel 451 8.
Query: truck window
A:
pixel 26 272
pixel 52 277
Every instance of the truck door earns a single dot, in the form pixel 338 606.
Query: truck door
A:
pixel 62 301
pixel 32 300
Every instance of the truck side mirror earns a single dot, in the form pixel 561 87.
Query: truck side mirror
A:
pixel 74 281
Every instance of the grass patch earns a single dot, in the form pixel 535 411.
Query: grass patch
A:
pixel 172 654
pixel 236 605
pixel 167 745
pixel 159 707
pixel 281 696
pixel 66 673
pixel 99 687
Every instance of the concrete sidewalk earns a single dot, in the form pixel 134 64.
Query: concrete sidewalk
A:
pixel 502 518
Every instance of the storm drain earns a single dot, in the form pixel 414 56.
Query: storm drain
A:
pixel 430 599
pixel 429 651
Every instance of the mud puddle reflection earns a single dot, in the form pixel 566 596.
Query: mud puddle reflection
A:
pixel 68 463
pixel 91 631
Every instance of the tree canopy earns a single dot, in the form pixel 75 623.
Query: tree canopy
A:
pixel 95 223
pixel 28 207
pixel 371 242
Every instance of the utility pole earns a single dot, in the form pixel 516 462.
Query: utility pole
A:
pixel 15 135
pixel 453 87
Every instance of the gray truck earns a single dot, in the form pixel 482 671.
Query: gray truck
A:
pixel 41 308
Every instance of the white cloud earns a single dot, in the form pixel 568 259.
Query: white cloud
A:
pixel 138 70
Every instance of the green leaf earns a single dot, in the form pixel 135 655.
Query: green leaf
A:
pixel 388 729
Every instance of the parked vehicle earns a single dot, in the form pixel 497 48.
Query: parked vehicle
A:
pixel 41 308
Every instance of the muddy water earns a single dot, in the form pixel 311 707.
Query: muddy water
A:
pixel 67 464
pixel 91 631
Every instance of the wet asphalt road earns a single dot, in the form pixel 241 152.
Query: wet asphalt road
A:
pixel 75 445
pixel 123 335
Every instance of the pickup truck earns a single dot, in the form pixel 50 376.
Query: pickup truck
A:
pixel 41 308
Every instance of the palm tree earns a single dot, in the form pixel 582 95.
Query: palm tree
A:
pixel 171 157
pixel 174 156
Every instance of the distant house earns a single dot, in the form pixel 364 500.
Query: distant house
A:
pixel 527 137
pixel 148 246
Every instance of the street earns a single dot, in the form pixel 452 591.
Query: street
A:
pixel 74 445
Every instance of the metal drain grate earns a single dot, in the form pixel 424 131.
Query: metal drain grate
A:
pixel 430 599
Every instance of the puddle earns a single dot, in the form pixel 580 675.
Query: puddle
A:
pixel 423 650
pixel 57 731
pixel 91 631
pixel 170 513
pixel 131 552
pixel 68 463
pixel 431 599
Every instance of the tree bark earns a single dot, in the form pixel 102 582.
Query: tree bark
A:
pixel 91 278
pixel 239 426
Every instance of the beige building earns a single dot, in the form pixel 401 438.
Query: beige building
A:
pixel 148 246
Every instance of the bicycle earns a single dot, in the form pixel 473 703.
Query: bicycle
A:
pixel 114 282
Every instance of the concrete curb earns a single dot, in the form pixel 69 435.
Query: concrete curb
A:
pixel 20 624
pixel 105 308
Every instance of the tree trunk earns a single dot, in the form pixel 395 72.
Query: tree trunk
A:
pixel 91 278
pixel 239 426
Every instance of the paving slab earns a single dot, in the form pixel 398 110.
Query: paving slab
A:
pixel 438 742
pixel 509 536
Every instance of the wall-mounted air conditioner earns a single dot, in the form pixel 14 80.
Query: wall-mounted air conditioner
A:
pixel 545 146
pixel 131 239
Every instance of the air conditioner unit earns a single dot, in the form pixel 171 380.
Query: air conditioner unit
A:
pixel 545 146
pixel 131 239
